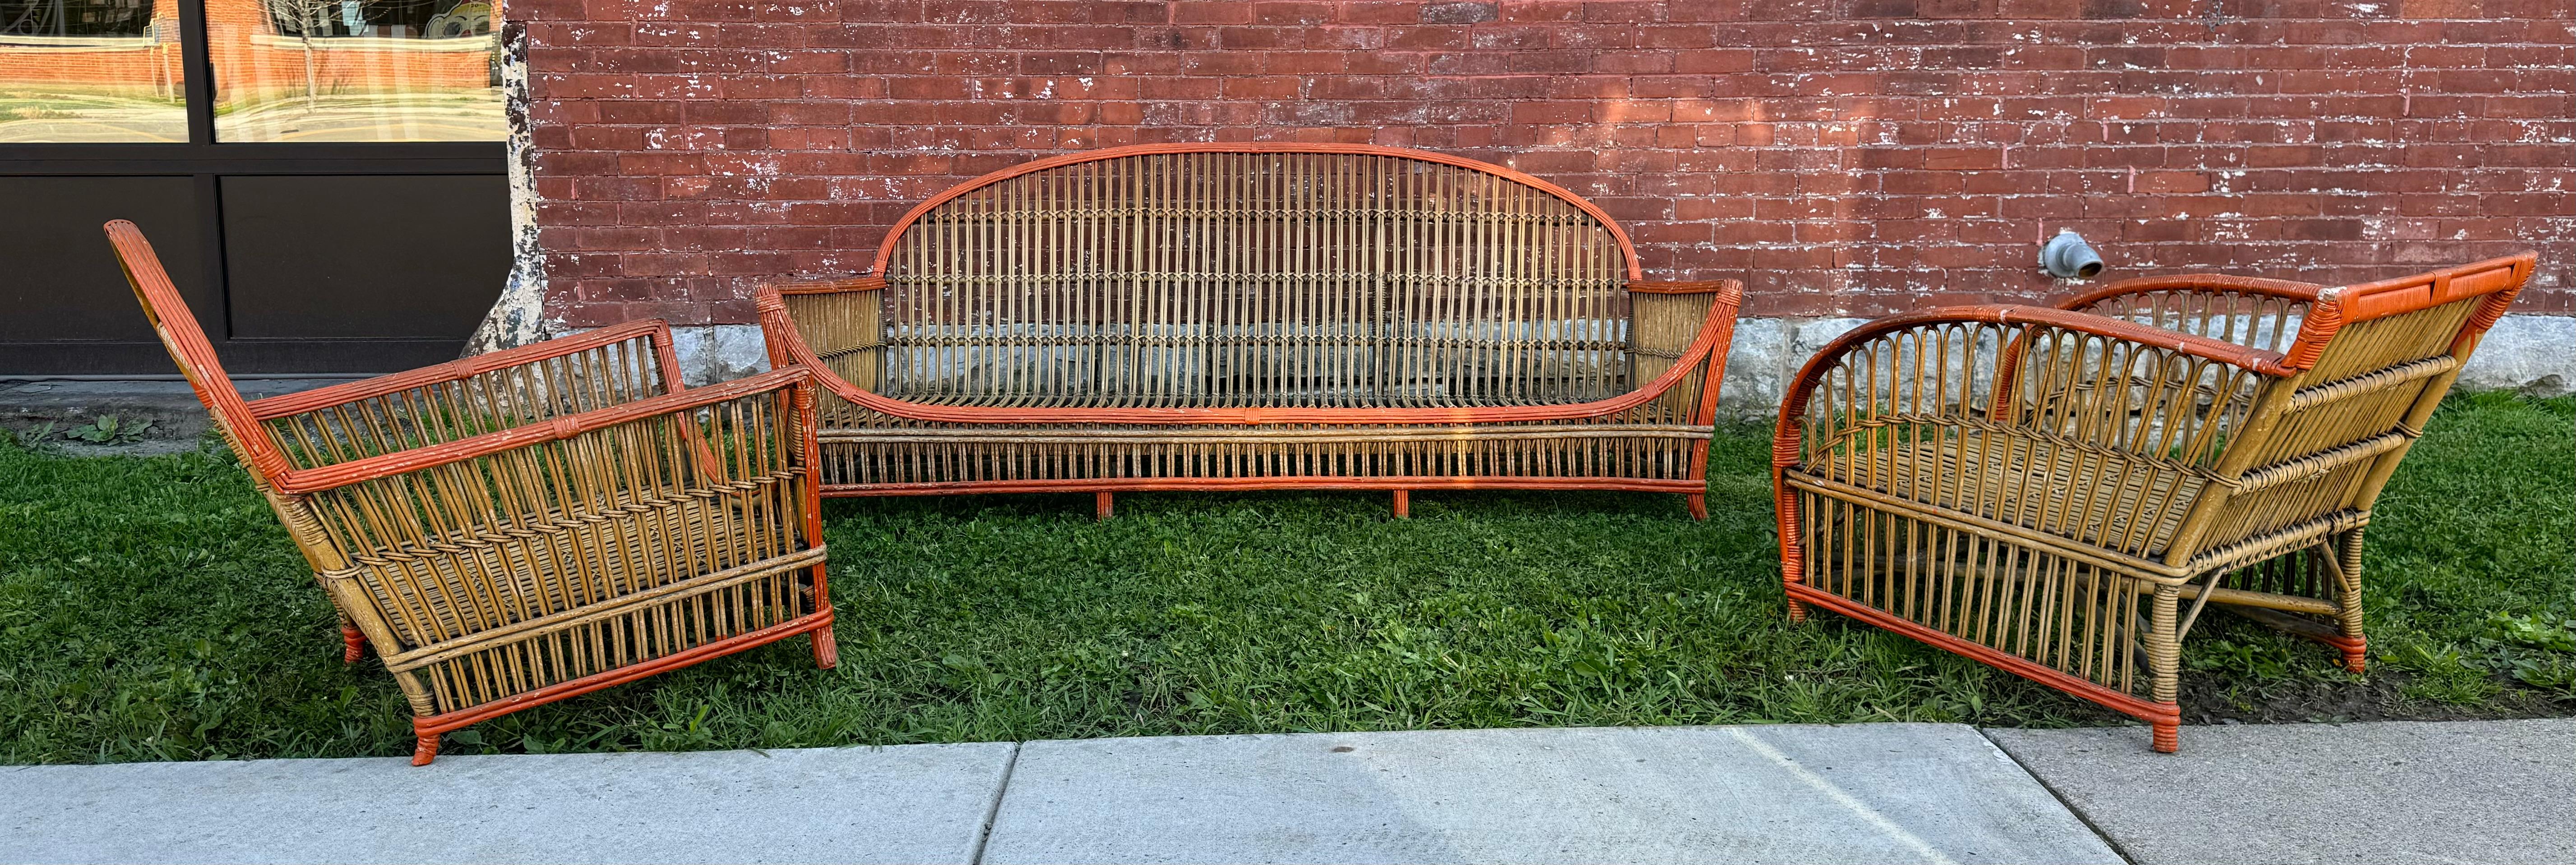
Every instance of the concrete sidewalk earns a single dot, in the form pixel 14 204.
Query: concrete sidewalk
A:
pixel 2486 791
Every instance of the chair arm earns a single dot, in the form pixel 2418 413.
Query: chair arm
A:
pixel 2262 313
pixel 1982 379
pixel 2194 283
pixel 311 480
pixel 655 330
pixel 584 372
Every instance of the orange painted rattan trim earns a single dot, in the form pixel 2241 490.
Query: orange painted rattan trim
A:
pixel 205 373
pixel 893 235
pixel 780 330
pixel 2167 713
pixel 302 481
pixel 2280 288
pixel 819 621
pixel 326 397
pixel 1273 482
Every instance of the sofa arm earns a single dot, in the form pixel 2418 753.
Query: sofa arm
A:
pixel 841 323
pixel 585 372
pixel 1665 319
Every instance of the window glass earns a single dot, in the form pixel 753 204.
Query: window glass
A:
pixel 90 70
pixel 355 70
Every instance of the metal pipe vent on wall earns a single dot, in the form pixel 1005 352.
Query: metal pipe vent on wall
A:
pixel 2067 256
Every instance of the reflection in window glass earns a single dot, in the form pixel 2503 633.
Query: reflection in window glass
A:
pixel 355 70
pixel 90 70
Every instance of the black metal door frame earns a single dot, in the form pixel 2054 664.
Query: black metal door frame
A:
pixel 205 160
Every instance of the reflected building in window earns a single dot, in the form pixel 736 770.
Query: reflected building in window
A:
pixel 355 70
pixel 91 71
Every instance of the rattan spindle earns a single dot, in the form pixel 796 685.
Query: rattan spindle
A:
pixel 2062 492
pixel 528 525
pixel 1254 316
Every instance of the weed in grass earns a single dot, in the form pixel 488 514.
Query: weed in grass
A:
pixel 151 608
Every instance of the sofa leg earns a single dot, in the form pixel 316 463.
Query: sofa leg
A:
pixel 1403 504
pixel 426 750
pixel 2167 737
pixel 827 651
pixel 1103 506
pixel 1797 612
pixel 353 645
pixel 1698 505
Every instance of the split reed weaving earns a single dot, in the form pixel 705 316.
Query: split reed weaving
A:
pixel 1251 316
pixel 528 525
pixel 2062 492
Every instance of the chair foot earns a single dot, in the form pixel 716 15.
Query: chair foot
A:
pixel 1698 505
pixel 827 651
pixel 1103 505
pixel 2355 659
pixel 2168 738
pixel 353 645
pixel 1797 612
pixel 1403 504
pixel 426 750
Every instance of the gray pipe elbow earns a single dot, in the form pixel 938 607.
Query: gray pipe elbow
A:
pixel 2067 256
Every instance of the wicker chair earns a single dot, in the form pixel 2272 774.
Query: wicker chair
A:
pixel 1258 316
pixel 524 526
pixel 2060 492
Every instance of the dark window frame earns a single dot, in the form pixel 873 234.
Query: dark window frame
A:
pixel 205 160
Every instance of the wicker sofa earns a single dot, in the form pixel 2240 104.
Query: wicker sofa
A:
pixel 2061 492
pixel 1258 316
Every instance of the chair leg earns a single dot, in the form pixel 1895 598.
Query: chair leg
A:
pixel 1403 504
pixel 1698 505
pixel 2348 602
pixel 827 651
pixel 353 644
pixel 1797 612
pixel 2164 665
pixel 426 750
pixel 1103 505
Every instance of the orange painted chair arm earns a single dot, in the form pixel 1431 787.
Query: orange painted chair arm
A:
pixel 786 347
pixel 2194 283
pixel 655 330
pixel 1785 438
pixel 312 480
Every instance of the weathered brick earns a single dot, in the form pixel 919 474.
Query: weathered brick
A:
pixel 1843 156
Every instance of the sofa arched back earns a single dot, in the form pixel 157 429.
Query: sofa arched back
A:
pixel 1255 275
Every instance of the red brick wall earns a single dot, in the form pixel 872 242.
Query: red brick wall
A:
pixel 1843 156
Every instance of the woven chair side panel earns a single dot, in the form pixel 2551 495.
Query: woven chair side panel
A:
pixel 2102 441
pixel 626 637
pixel 2254 319
pixel 2082 619
pixel 602 377
pixel 2352 408
pixel 1658 455
pixel 452 551
pixel 1256 279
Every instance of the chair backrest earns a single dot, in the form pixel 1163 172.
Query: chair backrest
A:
pixel 195 356
pixel 1255 274
pixel 2373 361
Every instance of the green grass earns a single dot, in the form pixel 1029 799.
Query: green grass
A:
pixel 150 608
